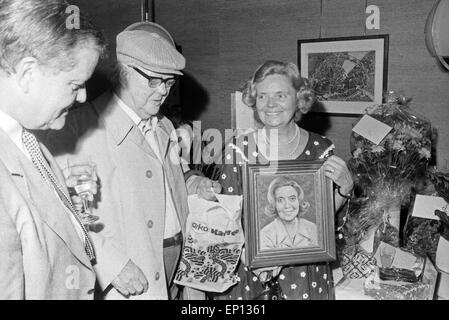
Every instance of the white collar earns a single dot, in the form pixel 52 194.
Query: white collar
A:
pixel 13 129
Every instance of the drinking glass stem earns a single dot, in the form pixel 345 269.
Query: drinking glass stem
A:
pixel 84 198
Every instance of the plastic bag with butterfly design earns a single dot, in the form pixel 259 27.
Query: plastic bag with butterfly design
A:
pixel 212 245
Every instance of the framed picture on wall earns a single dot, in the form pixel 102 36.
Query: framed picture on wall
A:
pixel 348 74
pixel 288 214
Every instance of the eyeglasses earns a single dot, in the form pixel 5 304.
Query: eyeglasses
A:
pixel 155 82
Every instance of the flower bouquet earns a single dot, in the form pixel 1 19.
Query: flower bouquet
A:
pixel 385 173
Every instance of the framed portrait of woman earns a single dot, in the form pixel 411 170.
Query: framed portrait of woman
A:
pixel 289 214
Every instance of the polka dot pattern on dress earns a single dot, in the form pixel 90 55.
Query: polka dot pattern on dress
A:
pixel 293 286
pixel 316 143
pixel 223 176
pixel 303 274
pixel 307 152
pixel 230 189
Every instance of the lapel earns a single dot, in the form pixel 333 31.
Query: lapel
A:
pixel 54 167
pixel 119 124
pixel 37 192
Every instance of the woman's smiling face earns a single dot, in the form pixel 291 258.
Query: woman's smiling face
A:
pixel 287 203
pixel 276 101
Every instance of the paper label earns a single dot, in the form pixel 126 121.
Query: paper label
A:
pixel 425 206
pixel 371 129
pixel 442 258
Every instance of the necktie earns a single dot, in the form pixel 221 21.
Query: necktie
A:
pixel 148 125
pixel 32 146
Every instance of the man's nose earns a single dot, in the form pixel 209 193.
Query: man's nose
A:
pixel 162 89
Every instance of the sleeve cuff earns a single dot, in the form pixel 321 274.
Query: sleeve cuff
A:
pixel 110 261
pixel 192 184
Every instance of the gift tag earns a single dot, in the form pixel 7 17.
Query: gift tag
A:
pixel 442 258
pixel 371 129
pixel 425 206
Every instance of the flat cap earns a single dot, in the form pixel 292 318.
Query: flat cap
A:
pixel 149 46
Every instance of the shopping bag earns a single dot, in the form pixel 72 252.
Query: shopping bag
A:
pixel 212 245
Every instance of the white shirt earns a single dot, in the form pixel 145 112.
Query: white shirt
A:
pixel 172 225
pixel 13 130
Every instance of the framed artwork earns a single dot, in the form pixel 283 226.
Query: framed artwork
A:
pixel 348 74
pixel 289 215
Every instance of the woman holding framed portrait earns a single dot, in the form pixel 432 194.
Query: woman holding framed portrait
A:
pixel 279 96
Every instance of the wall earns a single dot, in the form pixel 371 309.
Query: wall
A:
pixel 224 41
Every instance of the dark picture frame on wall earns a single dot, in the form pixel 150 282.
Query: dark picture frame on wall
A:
pixel 348 74
pixel 289 214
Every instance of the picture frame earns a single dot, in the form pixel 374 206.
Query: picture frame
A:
pixel 309 220
pixel 348 74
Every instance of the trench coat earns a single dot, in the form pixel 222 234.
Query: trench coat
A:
pixel 131 197
pixel 41 255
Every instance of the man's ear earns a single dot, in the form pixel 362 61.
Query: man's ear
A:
pixel 26 70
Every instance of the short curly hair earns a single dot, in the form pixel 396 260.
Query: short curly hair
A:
pixel 270 209
pixel 305 94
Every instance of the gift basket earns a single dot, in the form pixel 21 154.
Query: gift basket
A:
pixel 385 176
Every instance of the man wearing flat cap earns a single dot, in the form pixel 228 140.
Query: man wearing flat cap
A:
pixel 142 197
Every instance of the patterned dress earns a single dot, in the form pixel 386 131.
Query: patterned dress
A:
pixel 299 282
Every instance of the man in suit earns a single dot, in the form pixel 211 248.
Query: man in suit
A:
pixel 45 252
pixel 142 200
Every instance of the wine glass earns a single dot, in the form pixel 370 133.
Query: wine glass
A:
pixel 81 177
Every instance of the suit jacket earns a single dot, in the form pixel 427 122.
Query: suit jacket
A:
pixel 131 197
pixel 41 255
